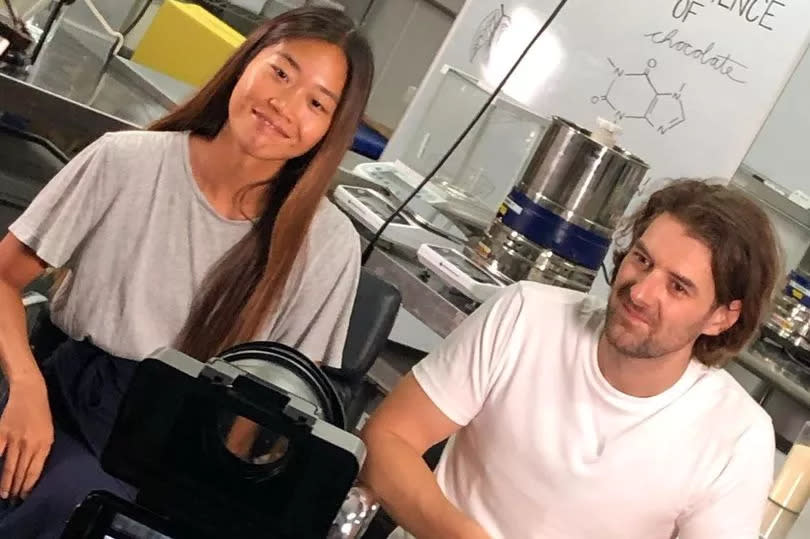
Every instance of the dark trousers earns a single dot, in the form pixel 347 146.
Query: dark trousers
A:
pixel 85 387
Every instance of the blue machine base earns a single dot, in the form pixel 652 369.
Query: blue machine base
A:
pixel 551 231
pixel 368 142
pixel 798 287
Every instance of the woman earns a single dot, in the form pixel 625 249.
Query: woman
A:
pixel 209 230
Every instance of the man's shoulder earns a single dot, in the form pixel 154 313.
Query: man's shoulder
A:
pixel 543 295
pixel 538 315
pixel 542 303
pixel 738 408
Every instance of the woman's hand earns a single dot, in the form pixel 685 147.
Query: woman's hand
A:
pixel 26 429
pixel 26 436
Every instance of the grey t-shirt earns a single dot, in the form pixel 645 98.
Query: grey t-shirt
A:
pixel 128 219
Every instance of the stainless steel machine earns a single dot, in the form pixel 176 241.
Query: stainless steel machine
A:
pixel 557 223
pixel 789 321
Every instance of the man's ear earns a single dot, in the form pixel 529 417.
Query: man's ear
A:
pixel 723 318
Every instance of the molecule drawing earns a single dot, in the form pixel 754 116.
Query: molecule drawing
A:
pixel 633 96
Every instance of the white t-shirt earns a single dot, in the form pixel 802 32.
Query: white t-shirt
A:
pixel 549 449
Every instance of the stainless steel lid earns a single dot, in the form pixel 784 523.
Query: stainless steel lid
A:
pixel 580 179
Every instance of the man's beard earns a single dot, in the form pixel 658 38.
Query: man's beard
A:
pixel 655 343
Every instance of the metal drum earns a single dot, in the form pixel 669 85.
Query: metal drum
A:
pixel 557 223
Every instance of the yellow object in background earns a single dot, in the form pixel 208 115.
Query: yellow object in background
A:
pixel 186 42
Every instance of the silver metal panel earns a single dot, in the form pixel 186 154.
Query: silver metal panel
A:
pixel 69 124
pixel 779 371
pixel 787 414
pixel 418 298
pixel 178 360
pixel 166 90
pixel 341 438
pixel 386 373
pixel 752 183
pixel 752 383
pixel 514 257
pixel 72 97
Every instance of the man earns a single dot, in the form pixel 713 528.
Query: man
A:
pixel 570 421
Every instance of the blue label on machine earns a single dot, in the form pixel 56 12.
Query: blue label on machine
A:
pixel 551 231
pixel 798 287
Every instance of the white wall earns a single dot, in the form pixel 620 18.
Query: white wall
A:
pixel 355 8
pixel 453 5
pixel 781 150
pixel 405 36
pixel 570 65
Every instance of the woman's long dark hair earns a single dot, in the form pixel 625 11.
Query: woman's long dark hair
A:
pixel 241 291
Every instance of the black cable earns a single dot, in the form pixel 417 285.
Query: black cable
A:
pixel 137 18
pixel 605 273
pixel 15 20
pixel 370 247
pixel 55 10
pixel 36 139
pixel 365 13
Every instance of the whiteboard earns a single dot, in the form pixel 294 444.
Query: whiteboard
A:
pixel 690 82
pixel 781 151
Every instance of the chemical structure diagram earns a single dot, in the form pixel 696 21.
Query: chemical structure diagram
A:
pixel 633 96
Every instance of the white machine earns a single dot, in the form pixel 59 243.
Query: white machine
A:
pixel 460 273
pixel 400 180
pixel 408 231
